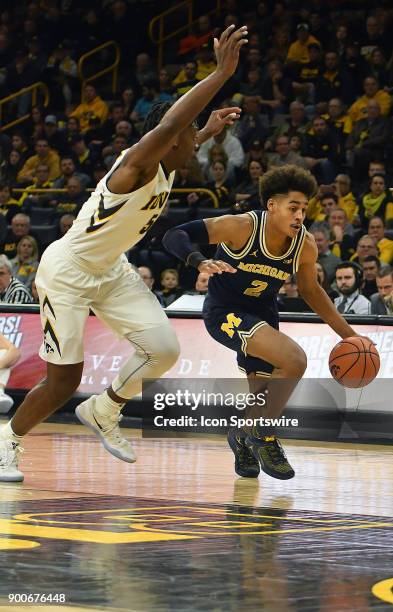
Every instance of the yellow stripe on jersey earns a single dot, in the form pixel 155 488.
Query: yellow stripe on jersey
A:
pixel 299 249
pixel 262 241
pixel 249 243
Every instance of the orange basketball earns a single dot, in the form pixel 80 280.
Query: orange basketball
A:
pixel 354 362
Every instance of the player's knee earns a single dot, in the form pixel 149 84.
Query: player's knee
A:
pixel 64 384
pixel 296 360
pixel 167 349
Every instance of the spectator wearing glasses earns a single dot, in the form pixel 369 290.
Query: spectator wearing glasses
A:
pixel 12 291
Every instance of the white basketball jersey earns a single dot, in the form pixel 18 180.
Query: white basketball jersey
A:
pixel 109 224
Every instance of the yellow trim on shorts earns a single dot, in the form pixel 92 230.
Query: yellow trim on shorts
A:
pixel 245 335
pixel 248 243
pixel 259 374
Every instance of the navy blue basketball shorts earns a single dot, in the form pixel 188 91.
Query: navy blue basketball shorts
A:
pixel 232 328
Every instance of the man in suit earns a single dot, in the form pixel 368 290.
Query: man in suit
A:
pixel 385 288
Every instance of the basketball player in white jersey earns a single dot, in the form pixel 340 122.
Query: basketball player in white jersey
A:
pixel 86 269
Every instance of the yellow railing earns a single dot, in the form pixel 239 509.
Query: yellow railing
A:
pixel 34 92
pixel 114 68
pixel 158 23
pixel 210 193
pixel 35 191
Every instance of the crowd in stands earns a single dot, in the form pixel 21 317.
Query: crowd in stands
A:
pixel 315 85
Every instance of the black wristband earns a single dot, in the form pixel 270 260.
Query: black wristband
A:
pixel 194 259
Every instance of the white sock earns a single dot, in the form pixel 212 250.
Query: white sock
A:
pixel 7 433
pixel 105 406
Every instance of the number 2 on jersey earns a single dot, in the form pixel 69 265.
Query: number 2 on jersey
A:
pixel 256 289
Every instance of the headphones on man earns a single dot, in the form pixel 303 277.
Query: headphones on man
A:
pixel 358 271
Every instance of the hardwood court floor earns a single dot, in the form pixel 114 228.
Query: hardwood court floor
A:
pixel 179 531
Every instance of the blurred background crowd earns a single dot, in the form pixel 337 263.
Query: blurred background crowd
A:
pixel 315 85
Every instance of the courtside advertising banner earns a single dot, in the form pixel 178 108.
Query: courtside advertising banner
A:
pixel 201 356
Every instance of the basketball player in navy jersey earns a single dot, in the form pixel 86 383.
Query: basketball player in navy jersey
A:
pixel 257 252
pixel 86 269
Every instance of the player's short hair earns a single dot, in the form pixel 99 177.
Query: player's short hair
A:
pixel 280 181
pixel 154 117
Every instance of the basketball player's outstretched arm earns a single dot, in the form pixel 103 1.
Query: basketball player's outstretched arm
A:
pixel 141 162
pixel 233 230
pixel 315 296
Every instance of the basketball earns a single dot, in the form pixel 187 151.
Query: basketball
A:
pixel 354 362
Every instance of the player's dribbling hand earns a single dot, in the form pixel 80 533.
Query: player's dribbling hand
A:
pixel 227 48
pixel 215 266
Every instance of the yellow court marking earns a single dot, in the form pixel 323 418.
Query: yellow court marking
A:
pixel 294 530
pixel 8 543
pixel 30 517
pixel 136 513
pixel 384 590
pixel 9 527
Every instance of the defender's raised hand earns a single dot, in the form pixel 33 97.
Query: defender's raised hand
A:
pixel 227 49
pixel 217 121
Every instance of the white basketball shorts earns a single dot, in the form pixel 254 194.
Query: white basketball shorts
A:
pixel 68 288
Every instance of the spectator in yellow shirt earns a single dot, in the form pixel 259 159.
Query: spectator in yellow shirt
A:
pixel 322 204
pixel 298 52
pixel 346 199
pixel 358 110
pixel 41 181
pixel 92 108
pixel 44 155
pixel 205 66
pixel 376 229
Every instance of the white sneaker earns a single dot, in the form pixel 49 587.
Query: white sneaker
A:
pixel 9 456
pixel 6 403
pixel 107 429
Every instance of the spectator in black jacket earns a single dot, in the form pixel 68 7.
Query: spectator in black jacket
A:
pixel 73 199
pixel 56 138
pixel 85 159
pixel 333 81
pixel 368 139
pixel 20 227
pixel 250 126
pixel 384 282
pixel 338 120
pixel 322 152
pixel 371 267
pixel 276 89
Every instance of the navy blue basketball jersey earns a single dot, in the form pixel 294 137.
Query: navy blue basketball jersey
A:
pixel 259 274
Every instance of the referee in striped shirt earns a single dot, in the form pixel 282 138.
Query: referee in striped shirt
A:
pixel 12 291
